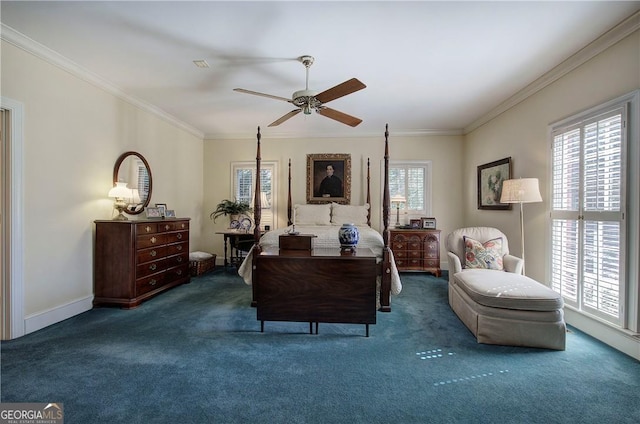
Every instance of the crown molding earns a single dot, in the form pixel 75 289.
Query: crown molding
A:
pixel 29 45
pixel 606 40
pixel 295 135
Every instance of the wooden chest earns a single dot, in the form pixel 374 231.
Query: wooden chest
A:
pixel 416 250
pixel 297 242
pixel 135 260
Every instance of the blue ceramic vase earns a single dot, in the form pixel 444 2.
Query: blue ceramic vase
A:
pixel 348 236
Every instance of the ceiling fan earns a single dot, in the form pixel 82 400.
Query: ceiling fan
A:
pixel 307 100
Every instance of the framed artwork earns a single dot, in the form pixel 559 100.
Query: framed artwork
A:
pixel 329 178
pixel 163 208
pixel 490 178
pixel 153 213
pixel 415 223
pixel 429 223
pixel 170 213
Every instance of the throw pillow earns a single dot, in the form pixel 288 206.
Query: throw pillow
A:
pixel 312 214
pixel 349 214
pixel 487 255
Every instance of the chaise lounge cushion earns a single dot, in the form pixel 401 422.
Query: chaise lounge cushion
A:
pixel 507 291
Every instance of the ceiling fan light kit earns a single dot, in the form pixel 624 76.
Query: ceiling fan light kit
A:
pixel 307 100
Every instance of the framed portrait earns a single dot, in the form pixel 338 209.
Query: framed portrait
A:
pixel 490 178
pixel 415 223
pixel 170 213
pixel 428 223
pixel 163 208
pixel 329 178
pixel 153 213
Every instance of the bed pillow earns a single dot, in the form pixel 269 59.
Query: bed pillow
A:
pixel 487 255
pixel 349 214
pixel 312 214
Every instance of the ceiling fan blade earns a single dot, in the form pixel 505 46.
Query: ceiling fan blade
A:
pixel 340 90
pixel 255 93
pixel 339 116
pixel 285 117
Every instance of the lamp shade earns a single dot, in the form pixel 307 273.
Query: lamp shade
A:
pixel 398 199
pixel 120 191
pixel 521 190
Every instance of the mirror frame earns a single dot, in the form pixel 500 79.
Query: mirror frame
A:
pixel 116 168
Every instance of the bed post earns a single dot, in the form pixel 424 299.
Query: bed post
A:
pixel 385 289
pixel 257 214
pixel 369 192
pixel 289 221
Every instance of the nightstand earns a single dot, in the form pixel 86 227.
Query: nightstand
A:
pixel 416 250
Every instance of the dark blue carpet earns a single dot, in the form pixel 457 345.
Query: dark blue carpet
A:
pixel 196 355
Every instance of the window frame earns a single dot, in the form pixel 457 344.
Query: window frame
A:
pixel 428 204
pixel 629 216
pixel 251 165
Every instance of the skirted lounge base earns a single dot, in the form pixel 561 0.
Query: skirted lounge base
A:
pixel 509 309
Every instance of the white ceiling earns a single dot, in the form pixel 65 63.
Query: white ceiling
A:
pixel 429 67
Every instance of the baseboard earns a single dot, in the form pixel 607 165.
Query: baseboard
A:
pixel 44 319
pixel 625 342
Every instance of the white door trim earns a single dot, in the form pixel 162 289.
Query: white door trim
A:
pixel 15 210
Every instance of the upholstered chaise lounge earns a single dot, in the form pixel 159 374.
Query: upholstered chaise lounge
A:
pixel 494 300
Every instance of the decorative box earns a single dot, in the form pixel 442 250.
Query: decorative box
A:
pixel 297 242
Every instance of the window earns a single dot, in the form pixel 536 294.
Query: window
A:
pixel 243 179
pixel 588 205
pixel 411 180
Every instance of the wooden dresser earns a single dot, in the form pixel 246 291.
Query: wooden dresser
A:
pixel 416 250
pixel 135 260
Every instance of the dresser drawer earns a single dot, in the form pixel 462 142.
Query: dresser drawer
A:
pixel 151 240
pixel 178 272
pixel 149 268
pixel 414 254
pixel 173 226
pixel 177 260
pixel 146 228
pixel 176 248
pixel 178 236
pixel 151 282
pixel 151 254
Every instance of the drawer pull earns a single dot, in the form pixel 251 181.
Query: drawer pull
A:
pixel 179 236
pixel 166 227
pixel 179 259
pixel 179 247
pixel 153 253
pixel 153 282
pixel 153 267
pixel 183 226
pixel 179 272
pixel 147 229
pixel 153 239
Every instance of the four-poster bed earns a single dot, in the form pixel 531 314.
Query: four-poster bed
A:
pixel 324 284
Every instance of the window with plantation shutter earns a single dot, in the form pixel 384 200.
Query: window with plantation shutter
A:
pixel 587 212
pixel 411 180
pixel 243 179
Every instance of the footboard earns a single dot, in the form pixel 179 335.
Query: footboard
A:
pixel 316 286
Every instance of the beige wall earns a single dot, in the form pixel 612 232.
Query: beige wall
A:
pixel 73 134
pixel 522 134
pixel 444 151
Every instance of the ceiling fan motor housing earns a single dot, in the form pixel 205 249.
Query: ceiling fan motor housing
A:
pixel 305 98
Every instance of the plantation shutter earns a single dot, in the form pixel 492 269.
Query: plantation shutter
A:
pixel 587 243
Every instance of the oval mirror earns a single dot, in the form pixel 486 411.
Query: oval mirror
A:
pixel 132 168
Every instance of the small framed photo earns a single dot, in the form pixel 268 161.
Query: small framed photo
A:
pixel 415 223
pixel 429 223
pixel 163 208
pixel 170 213
pixel 153 213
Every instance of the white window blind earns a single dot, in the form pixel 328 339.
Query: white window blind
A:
pixel 412 180
pixel 587 217
pixel 243 180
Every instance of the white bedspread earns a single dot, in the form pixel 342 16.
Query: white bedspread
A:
pixel 327 237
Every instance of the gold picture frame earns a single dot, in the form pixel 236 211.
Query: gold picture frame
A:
pixel 323 187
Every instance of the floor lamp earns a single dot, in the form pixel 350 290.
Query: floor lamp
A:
pixel 521 190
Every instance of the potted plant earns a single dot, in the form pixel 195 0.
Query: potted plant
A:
pixel 230 207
